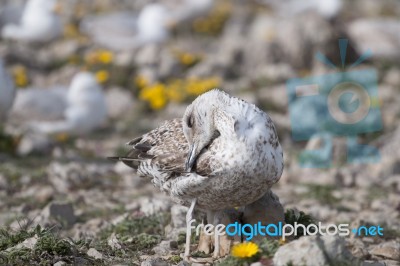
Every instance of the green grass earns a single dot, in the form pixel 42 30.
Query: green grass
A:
pixel 49 248
pixel 136 236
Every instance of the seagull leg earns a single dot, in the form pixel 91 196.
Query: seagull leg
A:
pixel 216 221
pixel 189 216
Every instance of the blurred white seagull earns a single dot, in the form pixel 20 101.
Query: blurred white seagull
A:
pixel 223 153
pixel 39 23
pixel 86 108
pixel 7 93
pixel 124 30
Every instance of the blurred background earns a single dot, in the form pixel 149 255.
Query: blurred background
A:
pixel 79 79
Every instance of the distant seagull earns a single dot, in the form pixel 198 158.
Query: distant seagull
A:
pixel 326 8
pixel 223 153
pixel 86 108
pixel 38 24
pixel 7 93
pixel 39 104
pixel 124 30
pixel 188 10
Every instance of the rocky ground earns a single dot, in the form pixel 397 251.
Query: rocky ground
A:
pixel 63 203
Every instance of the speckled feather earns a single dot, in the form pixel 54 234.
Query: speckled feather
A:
pixel 235 169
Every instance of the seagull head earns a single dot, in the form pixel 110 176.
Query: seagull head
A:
pixel 202 122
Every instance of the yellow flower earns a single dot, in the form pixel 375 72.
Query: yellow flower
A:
pixel 141 81
pixel 155 95
pixel 187 59
pixel 20 76
pixel 197 86
pixel 245 250
pixel 282 241
pixel 105 56
pixel 102 76
pixel 101 56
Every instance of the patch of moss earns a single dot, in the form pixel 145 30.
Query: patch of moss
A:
pixel 49 248
pixel 144 241
pixel 175 259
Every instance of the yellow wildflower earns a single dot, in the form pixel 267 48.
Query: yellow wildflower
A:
pixel 105 56
pixel 245 250
pixel 154 95
pixel 20 76
pixel 187 59
pixel 141 81
pixel 282 241
pixel 213 22
pixel 102 76
pixel 100 56
pixel 197 86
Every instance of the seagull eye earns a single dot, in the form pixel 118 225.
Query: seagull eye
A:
pixel 190 122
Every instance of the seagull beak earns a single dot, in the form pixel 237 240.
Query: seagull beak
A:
pixel 191 159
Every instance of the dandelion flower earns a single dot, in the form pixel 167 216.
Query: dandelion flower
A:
pixel 154 95
pixel 187 59
pixel 102 76
pixel 105 56
pixel 245 250
pixel 20 76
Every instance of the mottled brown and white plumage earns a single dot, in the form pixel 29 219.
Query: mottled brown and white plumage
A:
pixel 224 152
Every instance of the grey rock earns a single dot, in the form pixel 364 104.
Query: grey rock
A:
pixel 60 211
pixel 60 263
pixel 27 243
pixel 92 252
pixel 113 242
pixel 267 209
pixel 324 249
pixel 392 77
pixel 379 35
pixel 164 248
pixel 373 263
pixel 390 250
pixel 154 262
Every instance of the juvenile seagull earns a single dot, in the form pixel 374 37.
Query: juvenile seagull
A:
pixel 39 23
pixel 224 152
